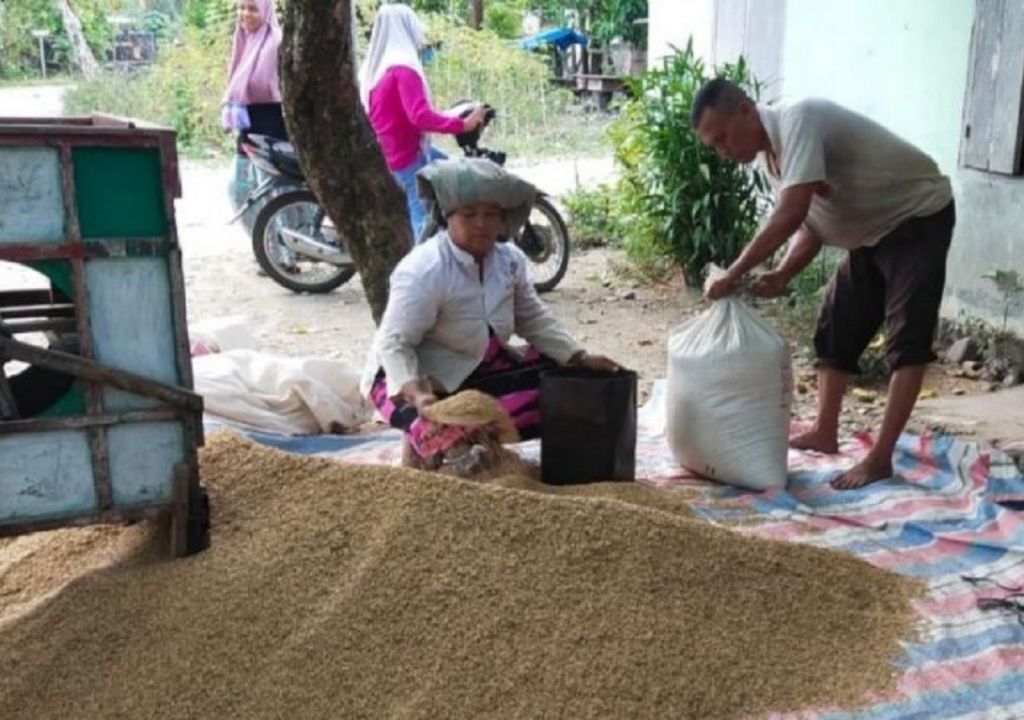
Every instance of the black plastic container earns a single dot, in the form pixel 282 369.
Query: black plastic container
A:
pixel 588 426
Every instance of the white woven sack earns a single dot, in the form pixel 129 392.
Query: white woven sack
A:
pixel 730 386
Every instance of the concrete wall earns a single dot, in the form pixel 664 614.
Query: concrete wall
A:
pixel 901 62
pixel 905 64
pixel 673 22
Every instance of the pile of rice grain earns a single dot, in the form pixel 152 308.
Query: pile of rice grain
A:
pixel 336 591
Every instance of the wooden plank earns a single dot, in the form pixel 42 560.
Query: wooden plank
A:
pixel 1007 121
pixel 101 473
pixel 8 408
pixel 179 318
pixel 31 325
pixel 983 71
pixel 182 482
pixel 9 312
pixel 34 136
pixel 94 372
pixel 36 296
pixel 112 516
pixel 39 425
pixel 91 248
pixel 49 120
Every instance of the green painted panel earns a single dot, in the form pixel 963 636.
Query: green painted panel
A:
pixel 70 403
pixel 59 273
pixel 119 192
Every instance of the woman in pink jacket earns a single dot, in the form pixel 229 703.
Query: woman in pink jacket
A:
pixel 395 94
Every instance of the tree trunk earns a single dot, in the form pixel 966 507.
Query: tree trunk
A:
pixel 79 47
pixel 476 14
pixel 336 145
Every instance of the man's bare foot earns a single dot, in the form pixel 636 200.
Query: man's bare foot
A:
pixel 817 440
pixel 865 472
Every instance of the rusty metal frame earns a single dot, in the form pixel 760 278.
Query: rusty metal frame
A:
pixel 64 134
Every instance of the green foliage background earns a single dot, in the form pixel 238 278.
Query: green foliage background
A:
pixel 681 201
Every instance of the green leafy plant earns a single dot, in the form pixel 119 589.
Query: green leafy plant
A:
pixel 684 202
pixel 594 216
pixel 182 90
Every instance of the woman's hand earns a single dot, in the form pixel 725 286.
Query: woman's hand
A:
pixel 419 393
pixel 475 119
pixel 595 363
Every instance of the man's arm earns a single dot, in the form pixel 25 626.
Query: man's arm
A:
pixel 803 248
pixel 787 217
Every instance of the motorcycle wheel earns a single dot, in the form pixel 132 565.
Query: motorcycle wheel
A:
pixel 545 240
pixel 296 210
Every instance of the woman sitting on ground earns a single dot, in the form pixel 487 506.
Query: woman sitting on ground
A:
pixel 455 302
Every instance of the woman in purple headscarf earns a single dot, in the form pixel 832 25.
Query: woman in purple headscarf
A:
pixel 252 100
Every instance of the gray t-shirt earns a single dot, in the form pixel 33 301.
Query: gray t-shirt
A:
pixel 870 180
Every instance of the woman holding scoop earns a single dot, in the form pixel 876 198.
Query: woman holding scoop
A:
pixel 455 302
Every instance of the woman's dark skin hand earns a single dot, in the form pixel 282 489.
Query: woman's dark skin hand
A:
pixel 596 363
pixel 419 393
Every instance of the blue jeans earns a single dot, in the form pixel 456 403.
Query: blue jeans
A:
pixel 406 178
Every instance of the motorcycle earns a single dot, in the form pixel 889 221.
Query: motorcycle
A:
pixel 298 247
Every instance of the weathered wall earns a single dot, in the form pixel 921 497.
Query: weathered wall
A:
pixel 673 22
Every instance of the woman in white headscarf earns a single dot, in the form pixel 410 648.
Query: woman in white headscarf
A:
pixel 397 101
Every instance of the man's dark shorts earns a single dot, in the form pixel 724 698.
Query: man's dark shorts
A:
pixel 898 281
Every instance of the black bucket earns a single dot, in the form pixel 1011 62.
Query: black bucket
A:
pixel 588 426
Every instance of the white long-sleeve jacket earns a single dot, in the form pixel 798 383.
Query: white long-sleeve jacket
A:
pixel 439 311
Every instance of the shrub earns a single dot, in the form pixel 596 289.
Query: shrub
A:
pixel 683 202
pixel 503 20
pixel 182 90
pixel 594 216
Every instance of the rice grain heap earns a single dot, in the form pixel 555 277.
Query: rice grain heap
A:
pixel 335 591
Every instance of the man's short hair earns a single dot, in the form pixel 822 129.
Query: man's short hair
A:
pixel 717 94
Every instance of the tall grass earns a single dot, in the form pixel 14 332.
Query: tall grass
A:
pixel 183 91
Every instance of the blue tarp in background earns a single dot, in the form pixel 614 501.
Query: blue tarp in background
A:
pixel 561 38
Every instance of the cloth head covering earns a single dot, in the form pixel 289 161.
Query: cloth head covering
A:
pixel 252 74
pixel 446 185
pixel 396 39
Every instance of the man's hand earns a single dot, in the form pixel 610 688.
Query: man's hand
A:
pixel 769 284
pixel 595 363
pixel 722 287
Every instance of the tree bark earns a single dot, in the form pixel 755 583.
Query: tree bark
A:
pixel 476 14
pixel 84 58
pixel 336 145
